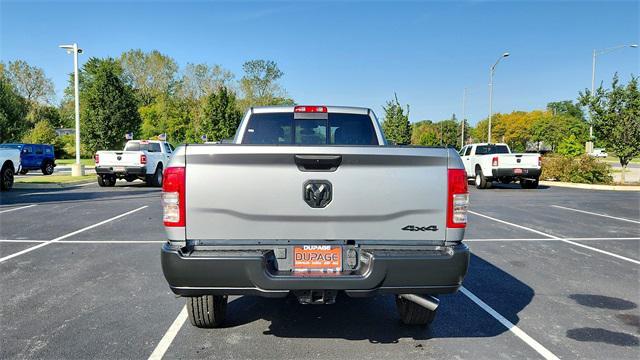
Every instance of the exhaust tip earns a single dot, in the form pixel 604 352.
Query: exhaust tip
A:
pixel 426 301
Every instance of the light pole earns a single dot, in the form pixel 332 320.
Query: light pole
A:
pixel 593 82
pixel 491 71
pixel 77 169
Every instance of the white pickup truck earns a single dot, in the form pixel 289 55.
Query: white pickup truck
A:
pixel 486 163
pixel 10 162
pixel 140 159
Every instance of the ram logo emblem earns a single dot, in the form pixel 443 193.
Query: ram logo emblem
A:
pixel 317 193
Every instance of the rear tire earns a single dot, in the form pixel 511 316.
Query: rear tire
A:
pixel 47 168
pixel 414 314
pixel 481 181
pixel 155 180
pixel 6 177
pixel 106 180
pixel 207 311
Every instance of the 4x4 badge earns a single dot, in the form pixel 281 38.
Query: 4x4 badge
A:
pixel 317 193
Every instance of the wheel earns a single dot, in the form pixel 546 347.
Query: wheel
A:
pixel 481 181
pixel 6 177
pixel 130 178
pixel 414 314
pixel 207 311
pixel 112 180
pixel 106 180
pixel 155 179
pixel 47 168
pixel 529 184
pixel 23 172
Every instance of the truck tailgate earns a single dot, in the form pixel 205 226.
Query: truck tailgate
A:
pixel 120 158
pixel 254 192
pixel 518 160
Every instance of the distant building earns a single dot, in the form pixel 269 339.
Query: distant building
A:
pixel 65 131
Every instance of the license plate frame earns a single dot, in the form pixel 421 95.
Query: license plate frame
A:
pixel 118 169
pixel 518 171
pixel 317 258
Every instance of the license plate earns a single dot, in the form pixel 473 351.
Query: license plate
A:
pixel 317 258
pixel 118 168
pixel 517 171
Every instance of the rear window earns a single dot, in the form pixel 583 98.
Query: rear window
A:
pixel 137 146
pixel 315 129
pixel 491 149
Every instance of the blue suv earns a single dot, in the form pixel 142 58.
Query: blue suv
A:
pixel 35 157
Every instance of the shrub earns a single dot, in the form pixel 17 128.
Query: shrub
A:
pixel 582 169
pixel 65 148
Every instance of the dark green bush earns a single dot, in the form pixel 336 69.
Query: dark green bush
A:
pixel 582 169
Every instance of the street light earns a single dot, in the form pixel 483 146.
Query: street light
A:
pixel 491 71
pixel 77 169
pixel 593 74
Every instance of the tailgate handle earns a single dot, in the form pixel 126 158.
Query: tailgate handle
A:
pixel 318 162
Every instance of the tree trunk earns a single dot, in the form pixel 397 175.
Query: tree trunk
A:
pixel 624 169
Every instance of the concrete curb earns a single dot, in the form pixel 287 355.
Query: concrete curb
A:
pixel 21 185
pixel 591 186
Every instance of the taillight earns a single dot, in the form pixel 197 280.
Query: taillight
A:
pixel 539 161
pixel 96 158
pixel 494 161
pixel 457 198
pixel 310 109
pixel 143 159
pixel 173 191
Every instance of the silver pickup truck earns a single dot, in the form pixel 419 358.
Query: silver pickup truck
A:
pixel 310 201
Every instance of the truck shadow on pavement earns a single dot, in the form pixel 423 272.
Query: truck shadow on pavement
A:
pixel 376 319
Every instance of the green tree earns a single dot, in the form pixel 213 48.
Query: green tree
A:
pixel 149 74
pixel 42 133
pixel 615 115
pixel 200 80
pixel 221 116
pixel 30 82
pixel 38 113
pixel 108 105
pixel 259 85
pixel 396 126
pixel 13 110
pixel 566 107
pixel 571 147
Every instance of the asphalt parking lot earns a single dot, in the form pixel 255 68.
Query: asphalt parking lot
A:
pixel 554 273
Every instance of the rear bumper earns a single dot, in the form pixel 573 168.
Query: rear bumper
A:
pixel 527 173
pixel 252 272
pixel 128 170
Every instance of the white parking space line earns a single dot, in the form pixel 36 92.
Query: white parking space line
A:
pixel 69 234
pixel 510 326
pixel 549 239
pixel 86 241
pixel 596 214
pixel 558 238
pixel 18 208
pixel 168 337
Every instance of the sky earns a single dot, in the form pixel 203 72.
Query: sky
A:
pixel 353 52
